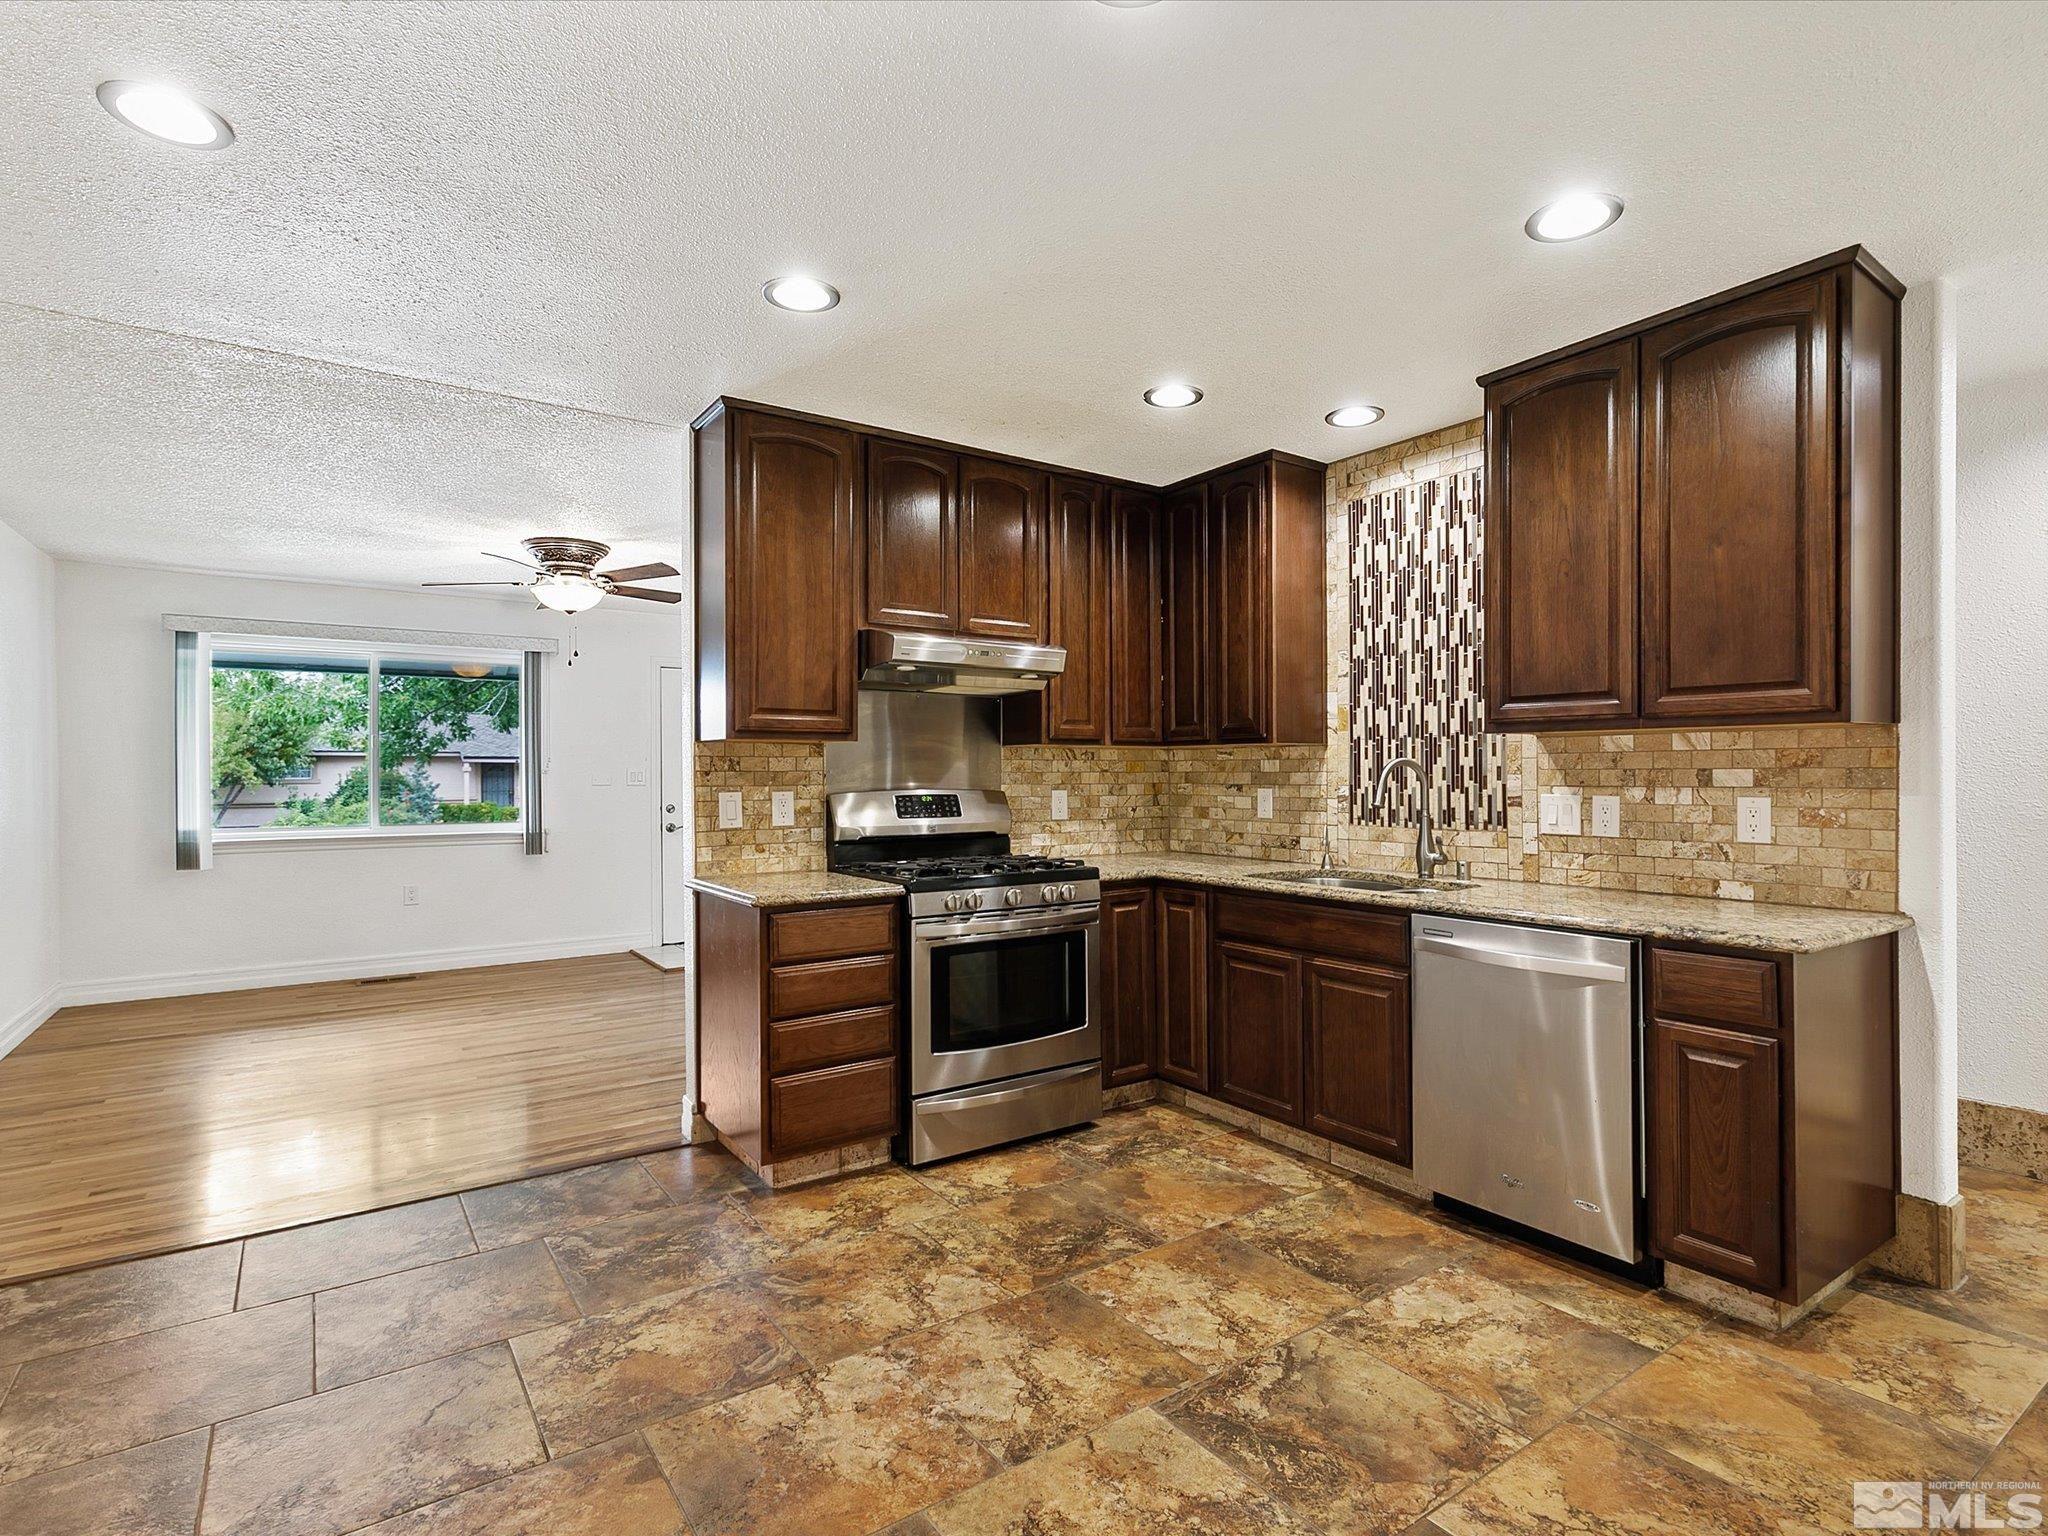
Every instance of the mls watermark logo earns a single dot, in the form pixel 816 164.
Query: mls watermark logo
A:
pixel 1947 1506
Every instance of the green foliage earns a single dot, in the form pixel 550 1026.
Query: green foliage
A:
pixel 476 811
pixel 405 798
pixel 264 722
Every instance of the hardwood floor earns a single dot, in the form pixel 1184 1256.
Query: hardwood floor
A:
pixel 137 1128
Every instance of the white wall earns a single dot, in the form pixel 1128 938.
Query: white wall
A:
pixel 132 925
pixel 2002 626
pixel 28 788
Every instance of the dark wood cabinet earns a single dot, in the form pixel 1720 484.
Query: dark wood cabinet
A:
pixel 1190 642
pixel 1182 995
pixel 1075 705
pixel 1357 1057
pixel 1561 542
pixel 1129 1022
pixel 1258 1028
pixel 1695 519
pixel 797 1025
pixel 1240 597
pixel 1739 548
pixel 912 546
pixel 778 519
pixel 1002 550
pixel 1135 649
pixel 1714 1100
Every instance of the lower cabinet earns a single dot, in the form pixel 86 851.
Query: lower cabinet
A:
pixel 1126 1006
pixel 1258 1029
pixel 1357 1070
pixel 1183 990
pixel 1714 1103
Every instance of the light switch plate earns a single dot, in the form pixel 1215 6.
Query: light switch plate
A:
pixel 1059 805
pixel 636 777
pixel 1752 818
pixel 729 808
pixel 782 808
pixel 1562 812
pixel 1607 815
pixel 1265 812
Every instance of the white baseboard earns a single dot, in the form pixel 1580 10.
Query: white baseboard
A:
pixel 25 1023
pixel 123 989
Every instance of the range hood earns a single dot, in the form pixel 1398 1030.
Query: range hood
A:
pixel 912 663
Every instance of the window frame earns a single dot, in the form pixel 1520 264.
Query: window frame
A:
pixel 374 832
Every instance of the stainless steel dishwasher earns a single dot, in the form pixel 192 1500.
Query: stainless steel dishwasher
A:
pixel 1525 1077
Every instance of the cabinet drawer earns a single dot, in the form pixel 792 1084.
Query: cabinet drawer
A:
pixel 1720 989
pixel 830 987
pixel 836 1038
pixel 1321 928
pixel 813 1110
pixel 830 933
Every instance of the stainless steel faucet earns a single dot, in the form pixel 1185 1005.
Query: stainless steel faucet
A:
pixel 1428 857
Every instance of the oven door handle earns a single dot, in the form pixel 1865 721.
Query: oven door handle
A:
pixel 979 1098
pixel 964 930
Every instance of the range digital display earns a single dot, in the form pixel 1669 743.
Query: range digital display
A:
pixel 927 807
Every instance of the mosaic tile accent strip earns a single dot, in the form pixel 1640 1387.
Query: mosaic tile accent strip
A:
pixel 1416 564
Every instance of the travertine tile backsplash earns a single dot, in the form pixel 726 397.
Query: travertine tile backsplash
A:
pixel 1834 789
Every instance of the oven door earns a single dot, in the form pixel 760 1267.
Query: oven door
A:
pixel 995 997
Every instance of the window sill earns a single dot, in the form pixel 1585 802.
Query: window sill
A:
pixel 279 842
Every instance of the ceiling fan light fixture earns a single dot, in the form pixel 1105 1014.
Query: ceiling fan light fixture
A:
pixel 566 593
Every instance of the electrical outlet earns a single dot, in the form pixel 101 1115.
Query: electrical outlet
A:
pixel 782 808
pixel 1265 811
pixel 1607 815
pixel 729 808
pixel 636 778
pixel 1059 805
pixel 1752 818
pixel 408 895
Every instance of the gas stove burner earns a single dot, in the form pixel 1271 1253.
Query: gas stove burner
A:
pixel 962 868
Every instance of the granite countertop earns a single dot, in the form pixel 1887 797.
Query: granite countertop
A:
pixel 1697 919
pixel 792 887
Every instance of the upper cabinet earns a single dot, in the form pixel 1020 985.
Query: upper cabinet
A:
pixel 912 557
pixel 1695 520
pixel 1192 615
pixel 778 518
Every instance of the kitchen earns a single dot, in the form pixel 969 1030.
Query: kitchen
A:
pixel 1313 819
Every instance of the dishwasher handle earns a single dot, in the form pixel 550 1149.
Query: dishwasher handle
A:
pixel 1518 960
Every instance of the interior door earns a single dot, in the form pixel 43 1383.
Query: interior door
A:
pixel 674 805
pixel 1739 562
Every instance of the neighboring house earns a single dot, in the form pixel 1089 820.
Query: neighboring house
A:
pixel 482 766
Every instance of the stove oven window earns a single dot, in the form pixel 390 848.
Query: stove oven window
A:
pixel 1008 990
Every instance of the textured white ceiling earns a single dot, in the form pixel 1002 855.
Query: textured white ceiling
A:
pixel 1034 210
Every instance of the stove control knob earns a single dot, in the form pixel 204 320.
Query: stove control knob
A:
pixel 1049 893
pixel 972 901
pixel 1066 893
pixel 1013 898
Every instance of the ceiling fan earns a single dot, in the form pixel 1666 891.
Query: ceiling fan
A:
pixel 566 578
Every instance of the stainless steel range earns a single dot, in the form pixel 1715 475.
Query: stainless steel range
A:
pixel 1004 961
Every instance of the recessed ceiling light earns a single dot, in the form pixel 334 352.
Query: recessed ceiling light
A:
pixel 164 112
pixel 1171 397
pixel 1354 416
pixel 806 295
pixel 1573 217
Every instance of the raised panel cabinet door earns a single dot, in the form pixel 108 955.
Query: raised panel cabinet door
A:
pixel 1077 595
pixel 1002 550
pixel 1134 638
pixel 1183 993
pixel 1358 1077
pixel 913 552
pixel 1189 640
pixel 1242 598
pixel 1740 551
pixel 1257 1030
pixel 792 574
pixel 1129 1025
pixel 1560 640
pixel 1715 1170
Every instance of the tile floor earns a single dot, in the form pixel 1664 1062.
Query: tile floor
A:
pixel 1153 1325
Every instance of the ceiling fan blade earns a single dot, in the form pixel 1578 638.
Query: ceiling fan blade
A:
pixel 641 573
pixel 650 594
pixel 514 559
pixel 472 583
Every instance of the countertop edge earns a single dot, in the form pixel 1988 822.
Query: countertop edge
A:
pixel 804 889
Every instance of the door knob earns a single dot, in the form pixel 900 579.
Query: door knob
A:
pixel 670 826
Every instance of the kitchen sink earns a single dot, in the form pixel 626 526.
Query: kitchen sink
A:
pixel 1344 881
